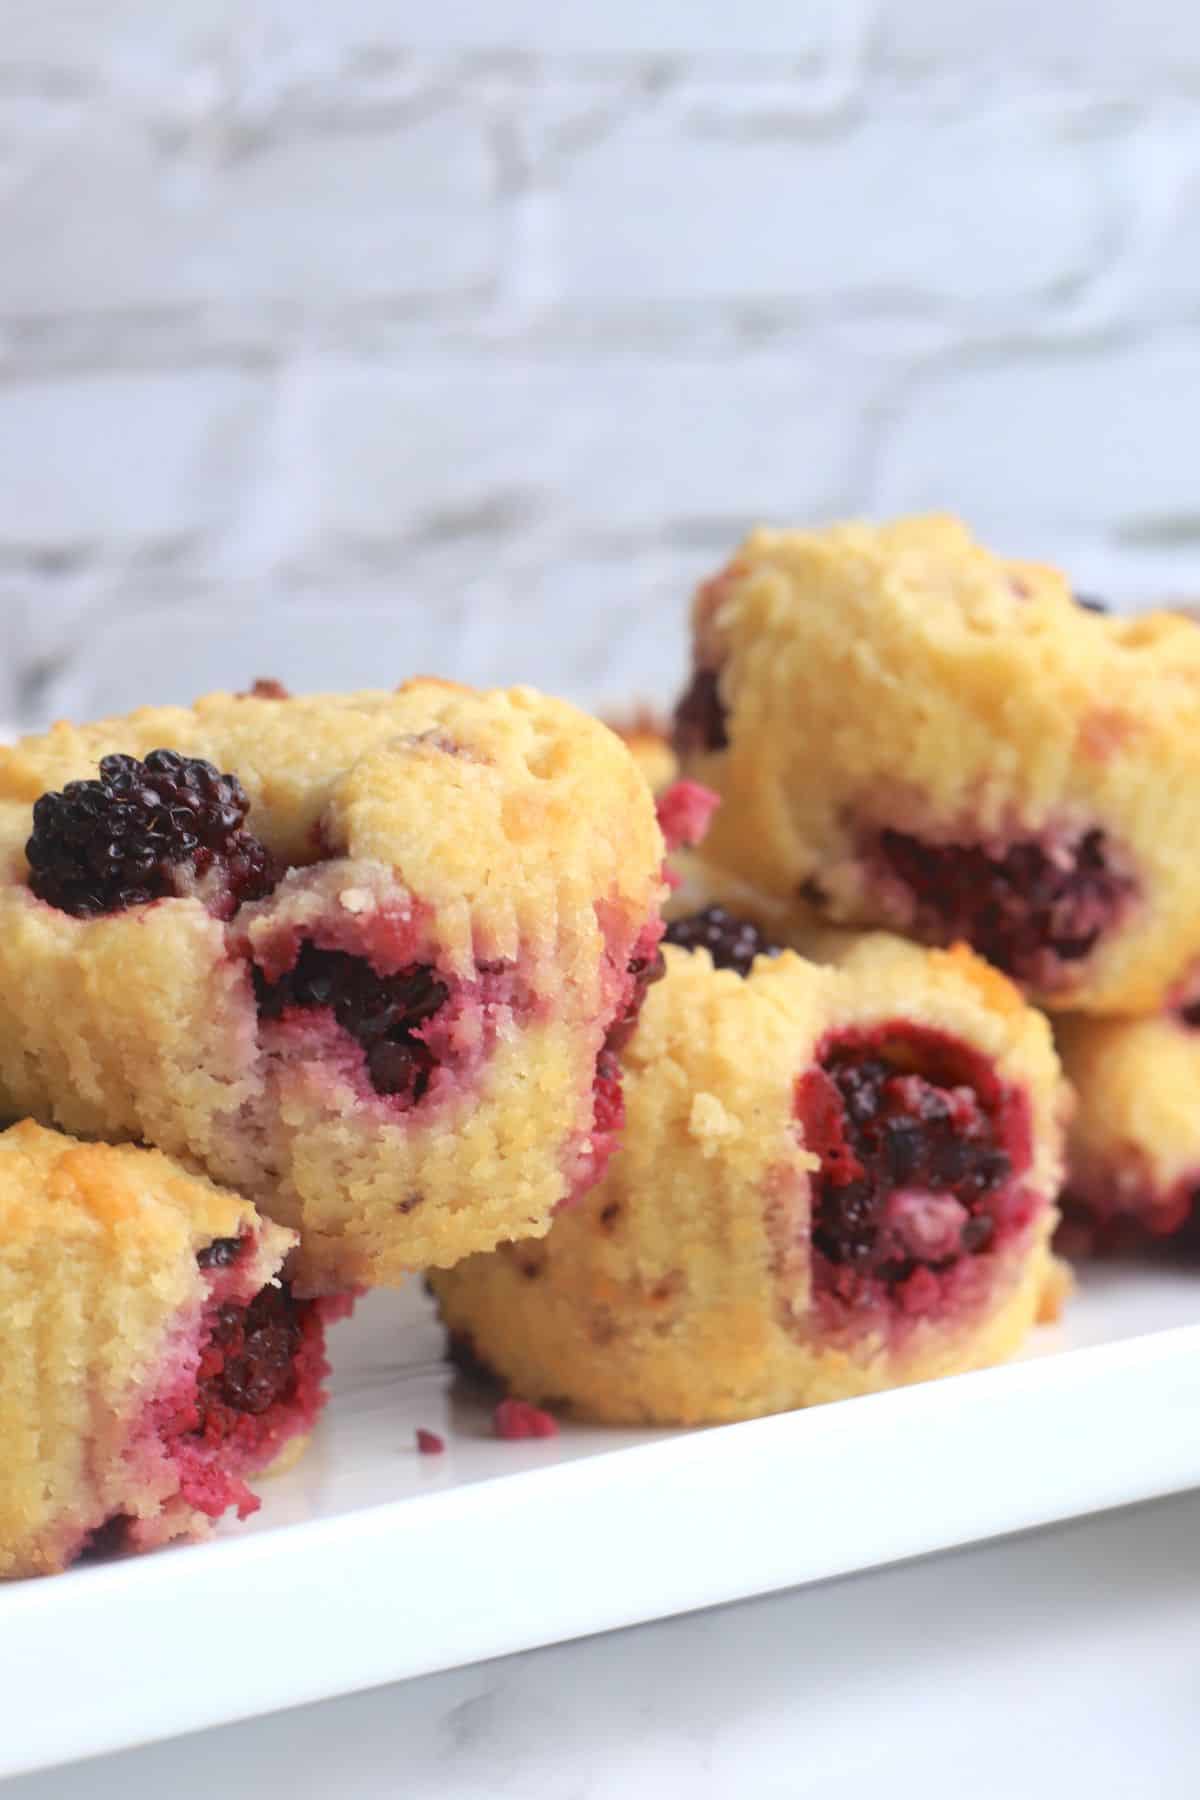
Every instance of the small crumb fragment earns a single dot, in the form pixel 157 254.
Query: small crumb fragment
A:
pixel 514 1419
pixel 711 1125
pixel 685 812
pixel 267 688
pixel 429 1443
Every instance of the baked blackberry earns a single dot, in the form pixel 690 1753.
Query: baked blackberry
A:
pixel 880 1128
pixel 1024 907
pixel 381 1012
pixel 144 831
pixel 732 943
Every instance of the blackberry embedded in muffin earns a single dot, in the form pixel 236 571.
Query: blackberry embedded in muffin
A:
pixel 154 1363
pixel 908 731
pixel 374 975
pixel 835 1179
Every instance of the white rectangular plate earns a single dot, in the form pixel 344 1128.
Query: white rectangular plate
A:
pixel 369 1563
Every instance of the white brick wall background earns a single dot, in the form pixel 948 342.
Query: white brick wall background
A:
pixel 338 341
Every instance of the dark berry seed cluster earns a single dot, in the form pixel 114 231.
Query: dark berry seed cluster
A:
pixel 139 832
pixel 879 1129
pixel 731 942
pixel 1016 906
pixel 253 1350
pixel 382 1012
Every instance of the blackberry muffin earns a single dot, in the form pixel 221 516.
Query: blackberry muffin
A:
pixel 834 1180
pixel 367 958
pixel 911 732
pixel 153 1363
pixel 1133 1153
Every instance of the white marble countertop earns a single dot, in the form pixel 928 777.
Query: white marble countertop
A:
pixel 1067 1661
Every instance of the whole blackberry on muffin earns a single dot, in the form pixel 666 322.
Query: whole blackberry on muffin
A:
pixel 834 1179
pixel 365 957
pixel 153 1362
pixel 142 832
pixel 909 731
pixel 732 942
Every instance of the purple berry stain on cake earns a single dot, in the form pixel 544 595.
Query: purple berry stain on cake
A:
pixel 255 1382
pixel 1035 908
pixel 643 968
pixel 145 831
pixel 922 1155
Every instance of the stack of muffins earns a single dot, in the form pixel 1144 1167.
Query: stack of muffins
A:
pixel 358 967
pixel 328 991
pixel 998 763
pixel 962 797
